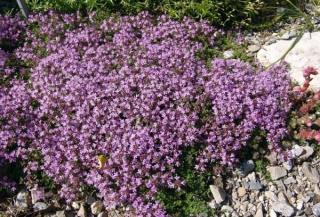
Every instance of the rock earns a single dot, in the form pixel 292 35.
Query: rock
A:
pixel 247 167
pixel 299 204
pixel 213 205
pixel 288 165
pixel 305 53
pixel 218 193
pixel 241 191
pixel 289 180
pixel 40 206
pixel 82 211
pixel 23 200
pixel 253 48
pixel 310 172
pixel 297 151
pixel 226 208
pixel 272 213
pixel 103 214
pixel 277 172
pixel 308 151
pixel 259 212
pixel 283 208
pixel 271 196
pixel 96 207
pixel 75 205
pixel 272 158
pixel 316 210
pixel 63 213
pixel 228 54
pixel 289 35
pixel 255 185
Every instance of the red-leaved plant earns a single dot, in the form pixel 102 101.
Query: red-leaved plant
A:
pixel 310 122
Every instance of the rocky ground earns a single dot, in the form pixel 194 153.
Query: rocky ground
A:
pixel 289 189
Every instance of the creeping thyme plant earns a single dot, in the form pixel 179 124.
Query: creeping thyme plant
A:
pixel 132 93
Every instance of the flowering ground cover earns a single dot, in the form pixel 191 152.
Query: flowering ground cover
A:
pixel 134 94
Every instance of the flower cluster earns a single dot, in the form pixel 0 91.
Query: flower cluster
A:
pixel 132 92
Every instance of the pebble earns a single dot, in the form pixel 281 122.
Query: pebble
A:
pixel 241 191
pixel 40 206
pixel 255 185
pixel 277 172
pixel 247 167
pixel 228 54
pixel 283 208
pixel 23 199
pixel 96 207
pixel 308 151
pixel 82 211
pixel 316 210
pixel 289 180
pixel 259 212
pixel 218 193
pixel 253 48
pixel 311 172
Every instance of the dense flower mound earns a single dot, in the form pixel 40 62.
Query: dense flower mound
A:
pixel 133 91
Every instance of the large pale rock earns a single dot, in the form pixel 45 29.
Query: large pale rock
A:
pixel 305 53
pixel 311 172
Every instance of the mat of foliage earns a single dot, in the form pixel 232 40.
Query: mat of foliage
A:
pixel 133 91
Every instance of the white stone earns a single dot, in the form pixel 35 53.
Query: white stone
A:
pixel 308 151
pixel 23 199
pixel 316 210
pixel 75 205
pixel 40 206
pixel 277 172
pixel 283 208
pixel 218 193
pixel 253 48
pixel 259 212
pixel 299 204
pixel 305 53
pixel 272 213
pixel 228 54
pixel 96 207
pixel 297 151
pixel 213 205
pixel 82 211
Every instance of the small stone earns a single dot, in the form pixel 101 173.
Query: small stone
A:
pixel 277 172
pixel 40 206
pixel 103 214
pixel 247 167
pixel 272 158
pixel 297 151
pixel 96 207
pixel 259 212
pixel 288 165
pixel 241 191
pixel 75 205
pixel 316 210
pixel 283 208
pixel 311 173
pixel 253 48
pixel 289 35
pixel 218 193
pixel 228 54
pixel 213 205
pixel 82 211
pixel 23 199
pixel 299 204
pixel 271 196
pixel 63 213
pixel 226 208
pixel 272 213
pixel 308 151
pixel 289 180
pixel 282 197
pixel 255 185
